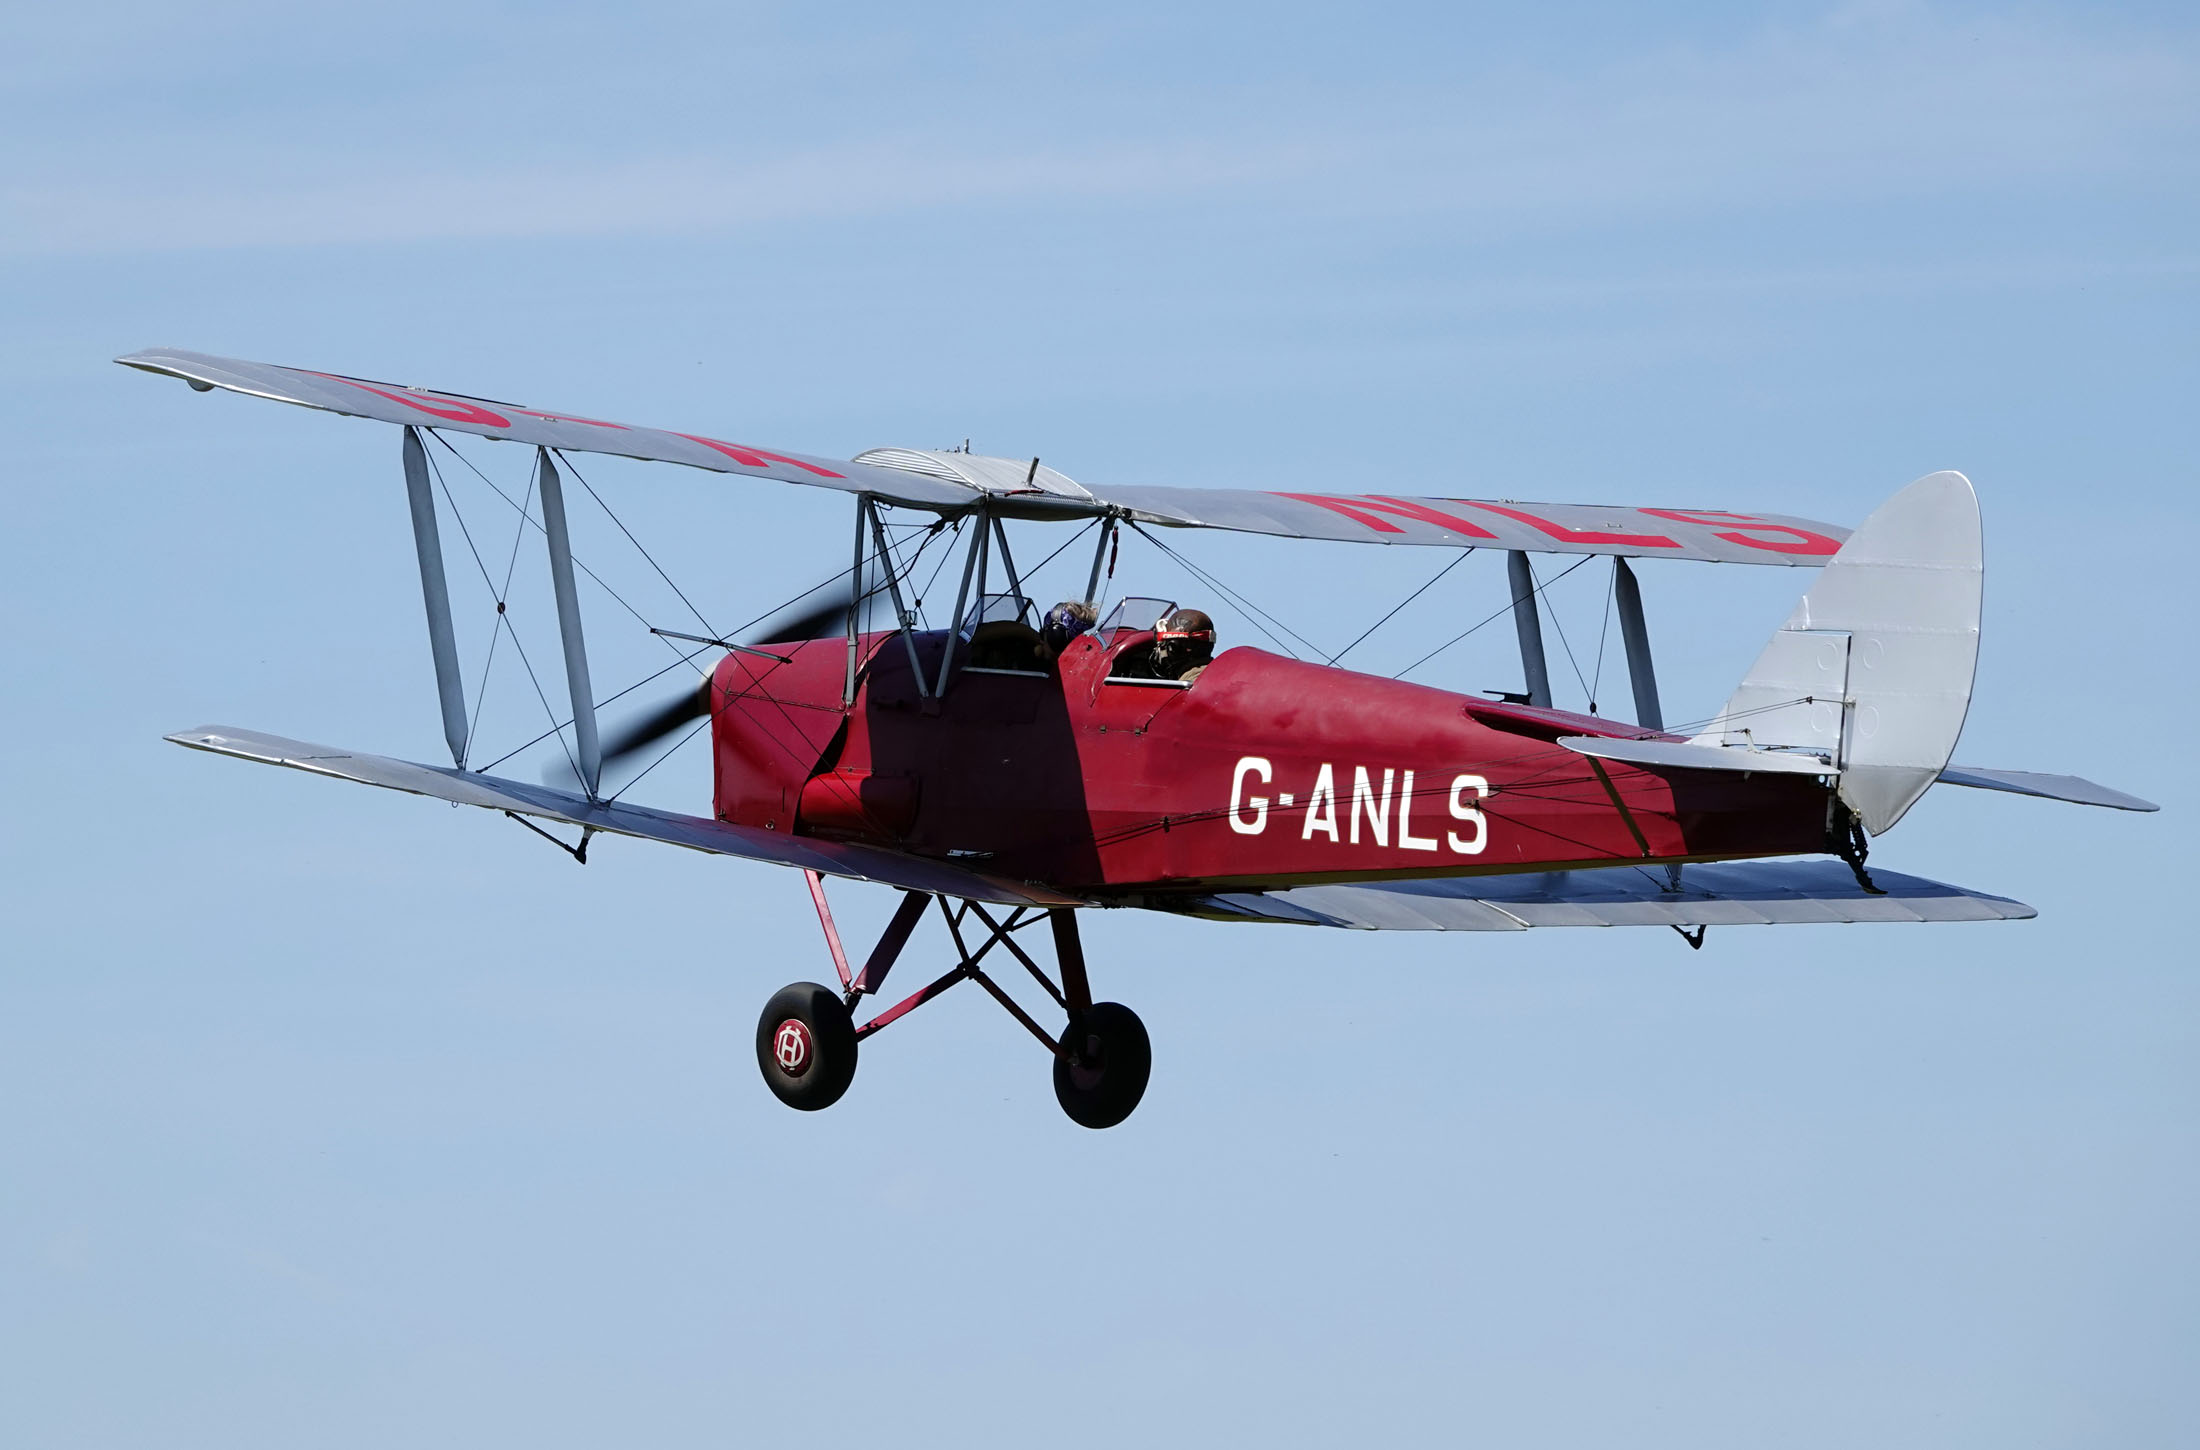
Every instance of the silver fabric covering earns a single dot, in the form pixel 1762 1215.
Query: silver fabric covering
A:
pixel 1874 667
pixel 832 858
pixel 1688 755
pixel 1710 536
pixel 954 483
pixel 397 403
pixel 1736 893
pixel 2073 788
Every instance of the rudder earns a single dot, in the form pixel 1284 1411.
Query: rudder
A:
pixel 1875 665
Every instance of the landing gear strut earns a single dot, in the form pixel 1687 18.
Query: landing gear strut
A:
pixel 806 1039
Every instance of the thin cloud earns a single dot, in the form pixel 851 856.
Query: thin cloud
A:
pixel 662 197
pixel 1870 104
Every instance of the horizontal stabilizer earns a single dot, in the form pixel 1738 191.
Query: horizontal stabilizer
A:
pixel 1734 893
pixel 1691 755
pixel 2074 788
pixel 831 858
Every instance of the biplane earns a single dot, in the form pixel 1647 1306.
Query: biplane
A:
pixel 1012 764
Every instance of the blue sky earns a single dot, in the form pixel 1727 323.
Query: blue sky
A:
pixel 342 1118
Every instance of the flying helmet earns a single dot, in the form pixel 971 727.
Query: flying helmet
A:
pixel 1064 622
pixel 1183 640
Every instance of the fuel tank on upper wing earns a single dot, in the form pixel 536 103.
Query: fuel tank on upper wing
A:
pixel 1265 770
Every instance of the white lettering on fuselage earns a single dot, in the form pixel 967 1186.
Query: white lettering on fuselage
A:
pixel 1321 807
pixel 1377 807
pixel 1250 765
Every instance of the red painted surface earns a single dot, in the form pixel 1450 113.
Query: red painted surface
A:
pixel 756 457
pixel 1577 536
pixel 793 1047
pixel 1747 530
pixel 1267 771
pixel 1364 508
pixel 570 418
pixel 455 409
pixel 825 920
pixel 1745 527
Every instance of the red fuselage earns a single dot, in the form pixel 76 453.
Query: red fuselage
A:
pixel 1267 772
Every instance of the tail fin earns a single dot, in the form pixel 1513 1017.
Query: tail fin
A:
pixel 1874 667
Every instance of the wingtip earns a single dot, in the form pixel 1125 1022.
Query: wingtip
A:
pixel 162 362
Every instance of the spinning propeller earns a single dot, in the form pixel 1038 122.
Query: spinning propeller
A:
pixel 812 617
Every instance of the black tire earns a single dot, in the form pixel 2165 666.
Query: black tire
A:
pixel 817 1061
pixel 1104 1076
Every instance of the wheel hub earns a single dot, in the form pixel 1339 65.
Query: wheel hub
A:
pixel 1088 1060
pixel 793 1048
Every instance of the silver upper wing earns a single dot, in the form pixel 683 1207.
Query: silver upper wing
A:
pixel 396 403
pixel 1715 536
pixel 830 858
pixel 954 483
pixel 1734 893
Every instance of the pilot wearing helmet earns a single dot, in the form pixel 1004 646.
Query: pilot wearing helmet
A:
pixel 1182 645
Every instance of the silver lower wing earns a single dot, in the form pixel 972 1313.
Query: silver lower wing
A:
pixel 1740 893
pixel 830 858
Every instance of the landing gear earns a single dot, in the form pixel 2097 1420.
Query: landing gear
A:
pixel 806 1046
pixel 1101 1072
pixel 806 1039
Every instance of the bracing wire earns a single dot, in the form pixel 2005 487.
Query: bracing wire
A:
pixel 1564 644
pixel 686 658
pixel 693 730
pixel 612 699
pixel 481 694
pixel 946 556
pixel 637 543
pixel 1604 631
pixel 528 518
pixel 1497 613
pixel 1253 611
pixel 501 596
pixel 1033 571
pixel 559 725
pixel 1416 594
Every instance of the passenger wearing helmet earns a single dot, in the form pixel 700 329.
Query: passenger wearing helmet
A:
pixel 1183 645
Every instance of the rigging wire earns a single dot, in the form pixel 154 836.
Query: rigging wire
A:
pixel 1253 611
pixel 1573 663
pixel 504 623
pixel 1604 631
pixel 481 694
pixel 906 573
pixel 946 557
pixel 557 730
pixel 528 518
pixel 1416 594
pixel 1501 610
pixel 637 543
pixel 1033 571
pixel 1692 727
pixel 668 669
pixel 606 700
pixel 699 725
pixel 681 658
